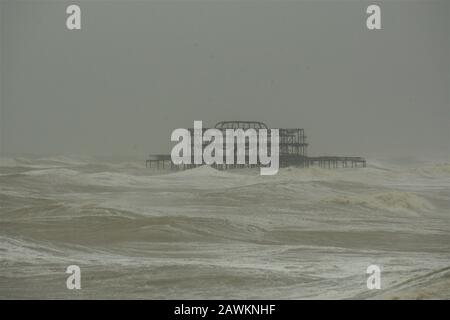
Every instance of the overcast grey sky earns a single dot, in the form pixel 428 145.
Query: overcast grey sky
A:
pixel 138 70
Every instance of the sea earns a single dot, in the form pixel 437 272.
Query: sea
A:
pixel 141 233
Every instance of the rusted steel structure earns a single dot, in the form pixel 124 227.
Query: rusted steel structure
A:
pixel 292 150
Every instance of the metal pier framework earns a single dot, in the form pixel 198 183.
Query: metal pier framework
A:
pixel 292 150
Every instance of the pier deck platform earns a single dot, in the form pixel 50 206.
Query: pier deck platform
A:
pixel 162 161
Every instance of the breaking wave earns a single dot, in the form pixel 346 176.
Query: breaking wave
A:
pixel 394 201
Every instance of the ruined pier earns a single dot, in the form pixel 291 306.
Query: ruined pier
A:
pixel 292 151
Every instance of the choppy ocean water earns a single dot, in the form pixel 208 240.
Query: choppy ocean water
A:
pixel 204 234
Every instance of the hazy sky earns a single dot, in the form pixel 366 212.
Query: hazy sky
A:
pixel 138 70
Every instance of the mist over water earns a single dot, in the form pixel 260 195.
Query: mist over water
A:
pixel 203 233
pixel 137 70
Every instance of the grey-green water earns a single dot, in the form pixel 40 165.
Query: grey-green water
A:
pixel 201 233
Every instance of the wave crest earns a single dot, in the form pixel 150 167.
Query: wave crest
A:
pixel 394 201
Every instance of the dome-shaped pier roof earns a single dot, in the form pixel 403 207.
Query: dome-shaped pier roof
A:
pixel 240 125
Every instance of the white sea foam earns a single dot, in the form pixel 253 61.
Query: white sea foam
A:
pixel 303 233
